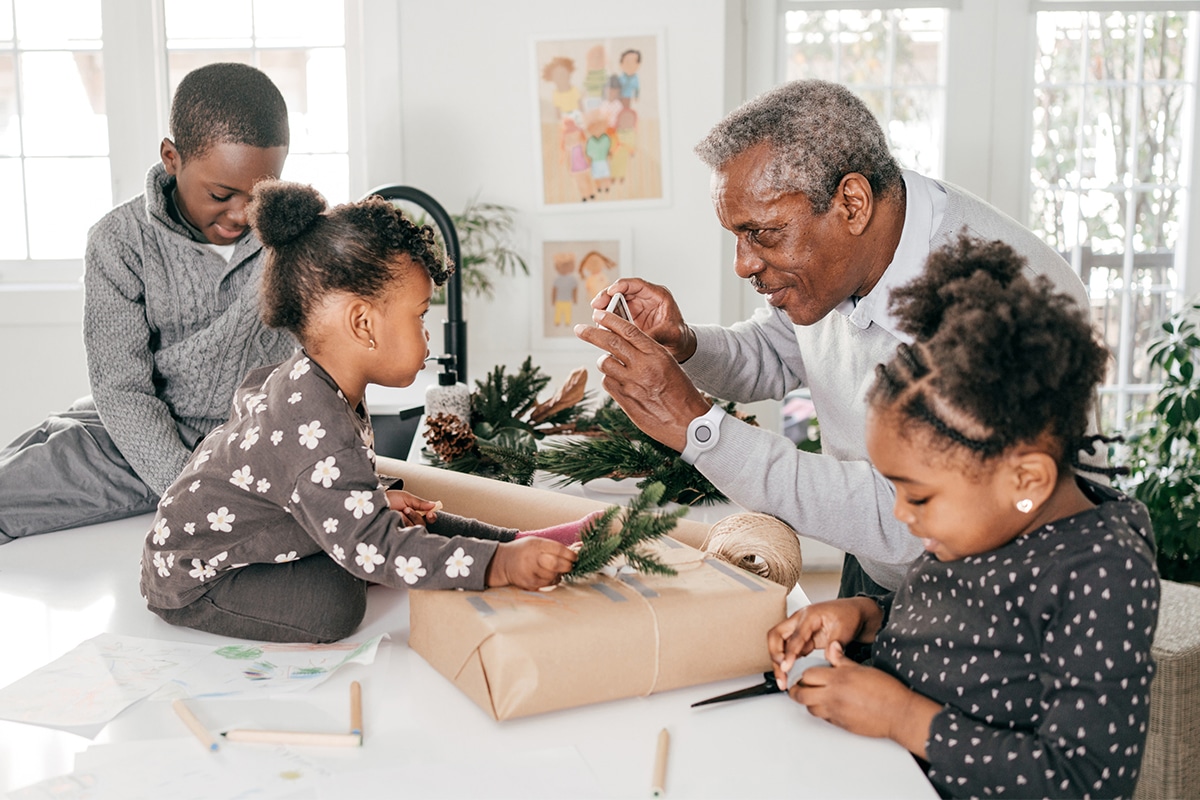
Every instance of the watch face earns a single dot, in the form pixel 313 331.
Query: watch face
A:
pixel 703 434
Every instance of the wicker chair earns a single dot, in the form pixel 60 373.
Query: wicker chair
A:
pixel 1171 764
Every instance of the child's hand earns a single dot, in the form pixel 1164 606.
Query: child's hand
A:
pixel 529 563
pixel 414 510
pixel 866 701
pixel 819 625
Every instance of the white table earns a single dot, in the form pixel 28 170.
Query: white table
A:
pixel 60 589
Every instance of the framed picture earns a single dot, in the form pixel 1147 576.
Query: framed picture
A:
pixel 575 266
pixel 600 122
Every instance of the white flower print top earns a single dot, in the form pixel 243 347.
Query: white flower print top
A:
pixel 291 474
pixel 1039 652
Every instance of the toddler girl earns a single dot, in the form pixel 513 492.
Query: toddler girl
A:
pixel 278 521
pixel 1014 659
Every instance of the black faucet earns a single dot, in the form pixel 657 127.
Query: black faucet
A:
pixel 454 329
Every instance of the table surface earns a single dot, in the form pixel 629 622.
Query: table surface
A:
pixel 60 589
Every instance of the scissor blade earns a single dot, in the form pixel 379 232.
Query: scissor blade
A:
pixel 768 686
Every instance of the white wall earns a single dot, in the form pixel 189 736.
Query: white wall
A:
pixel 468 127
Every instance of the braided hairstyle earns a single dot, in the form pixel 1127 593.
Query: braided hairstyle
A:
pixel 359 248
pixel 998 360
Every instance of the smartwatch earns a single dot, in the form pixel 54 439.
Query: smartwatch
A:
pixel 703 433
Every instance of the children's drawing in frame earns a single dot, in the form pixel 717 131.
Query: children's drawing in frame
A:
pixel 574 270
pixel 601 126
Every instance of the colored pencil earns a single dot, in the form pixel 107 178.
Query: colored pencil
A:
pixel 194 725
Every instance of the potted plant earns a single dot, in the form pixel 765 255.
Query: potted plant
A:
pixel 1164 448
pixel 485 233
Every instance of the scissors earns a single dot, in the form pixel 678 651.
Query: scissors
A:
pixel 768 686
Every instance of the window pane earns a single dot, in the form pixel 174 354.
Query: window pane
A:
pixel 1060 48
pixel 6 23
pixel 915 128
pixel 10 127
pixel 1160 145
pixel 313 83
pixel 12 210
pixel 228 21
pixel 58 23
pixel 181 62
pixel 299 22
pixel 57 228
pixel 63 111
pixel 328 173
pixel 811 45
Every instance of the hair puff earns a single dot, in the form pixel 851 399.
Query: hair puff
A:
pixel 281 211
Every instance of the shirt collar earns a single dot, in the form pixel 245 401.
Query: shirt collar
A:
pixel 924 206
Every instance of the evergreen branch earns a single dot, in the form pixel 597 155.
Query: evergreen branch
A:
pixel 600 545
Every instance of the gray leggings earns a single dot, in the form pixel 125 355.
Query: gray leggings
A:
pixel 312 599
pixel 67 472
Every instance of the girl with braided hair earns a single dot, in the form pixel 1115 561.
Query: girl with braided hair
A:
pixel 278 522
pixel 1014 659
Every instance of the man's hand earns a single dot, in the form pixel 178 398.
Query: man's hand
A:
pixel 655 313
pixel 644 378
pixel 529 563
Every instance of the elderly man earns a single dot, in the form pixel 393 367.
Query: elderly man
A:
pixel 826 224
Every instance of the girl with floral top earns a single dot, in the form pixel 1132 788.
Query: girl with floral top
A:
pixel 278 522
pixel 1014 659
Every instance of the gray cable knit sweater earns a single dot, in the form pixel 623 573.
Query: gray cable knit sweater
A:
pixel 170 330
pixel 836 497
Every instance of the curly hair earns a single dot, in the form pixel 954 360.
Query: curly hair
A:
pixel 818 133
pixel 227 103
pixel 312 251
pixel 997 360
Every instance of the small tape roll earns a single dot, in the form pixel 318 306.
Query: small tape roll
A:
pixel 757 543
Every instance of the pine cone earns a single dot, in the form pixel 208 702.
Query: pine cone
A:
pixel 448 436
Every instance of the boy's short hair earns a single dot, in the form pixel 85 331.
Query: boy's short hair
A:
pixel 227 102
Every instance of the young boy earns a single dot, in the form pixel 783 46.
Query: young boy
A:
pixel 171 317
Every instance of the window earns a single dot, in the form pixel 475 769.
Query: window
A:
pixel 54 163
pixel 65 160
pixel 1111 97
pixel 891 57
pixel 301 45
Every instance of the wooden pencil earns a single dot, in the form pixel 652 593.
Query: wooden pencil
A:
pixel 659 784
pixel 194 725
pixel 294 737
pixel 356 719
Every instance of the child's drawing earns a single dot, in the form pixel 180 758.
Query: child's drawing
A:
pixel 574 271
pixel 600 120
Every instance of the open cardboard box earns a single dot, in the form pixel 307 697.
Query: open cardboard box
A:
pixel 518 653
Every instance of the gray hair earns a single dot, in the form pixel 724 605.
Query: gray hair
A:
pixel 818 133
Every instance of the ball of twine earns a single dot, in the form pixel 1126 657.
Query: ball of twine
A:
pixel 757 543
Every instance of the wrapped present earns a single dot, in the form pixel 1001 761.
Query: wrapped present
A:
pixel 517 653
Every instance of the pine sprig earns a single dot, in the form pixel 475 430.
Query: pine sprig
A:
pixel 616 448
pixel 601 545
pixel 501 399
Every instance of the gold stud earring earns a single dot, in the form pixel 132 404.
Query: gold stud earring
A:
pixel 1025 506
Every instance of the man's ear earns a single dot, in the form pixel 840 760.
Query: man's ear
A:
pixel 856 202
pixel 170 157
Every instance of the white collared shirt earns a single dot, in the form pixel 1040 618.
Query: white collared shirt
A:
pixel 925 203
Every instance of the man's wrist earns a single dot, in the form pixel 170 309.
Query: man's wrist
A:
pixel 703 433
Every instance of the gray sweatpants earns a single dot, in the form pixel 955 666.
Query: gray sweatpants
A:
pixel 67 472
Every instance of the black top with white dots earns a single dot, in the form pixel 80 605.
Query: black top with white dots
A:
pixel 1039 652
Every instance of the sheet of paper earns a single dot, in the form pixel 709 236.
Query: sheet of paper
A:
pixel 93 683
pixel 247 668
pixel 180 770
pixel 88 686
